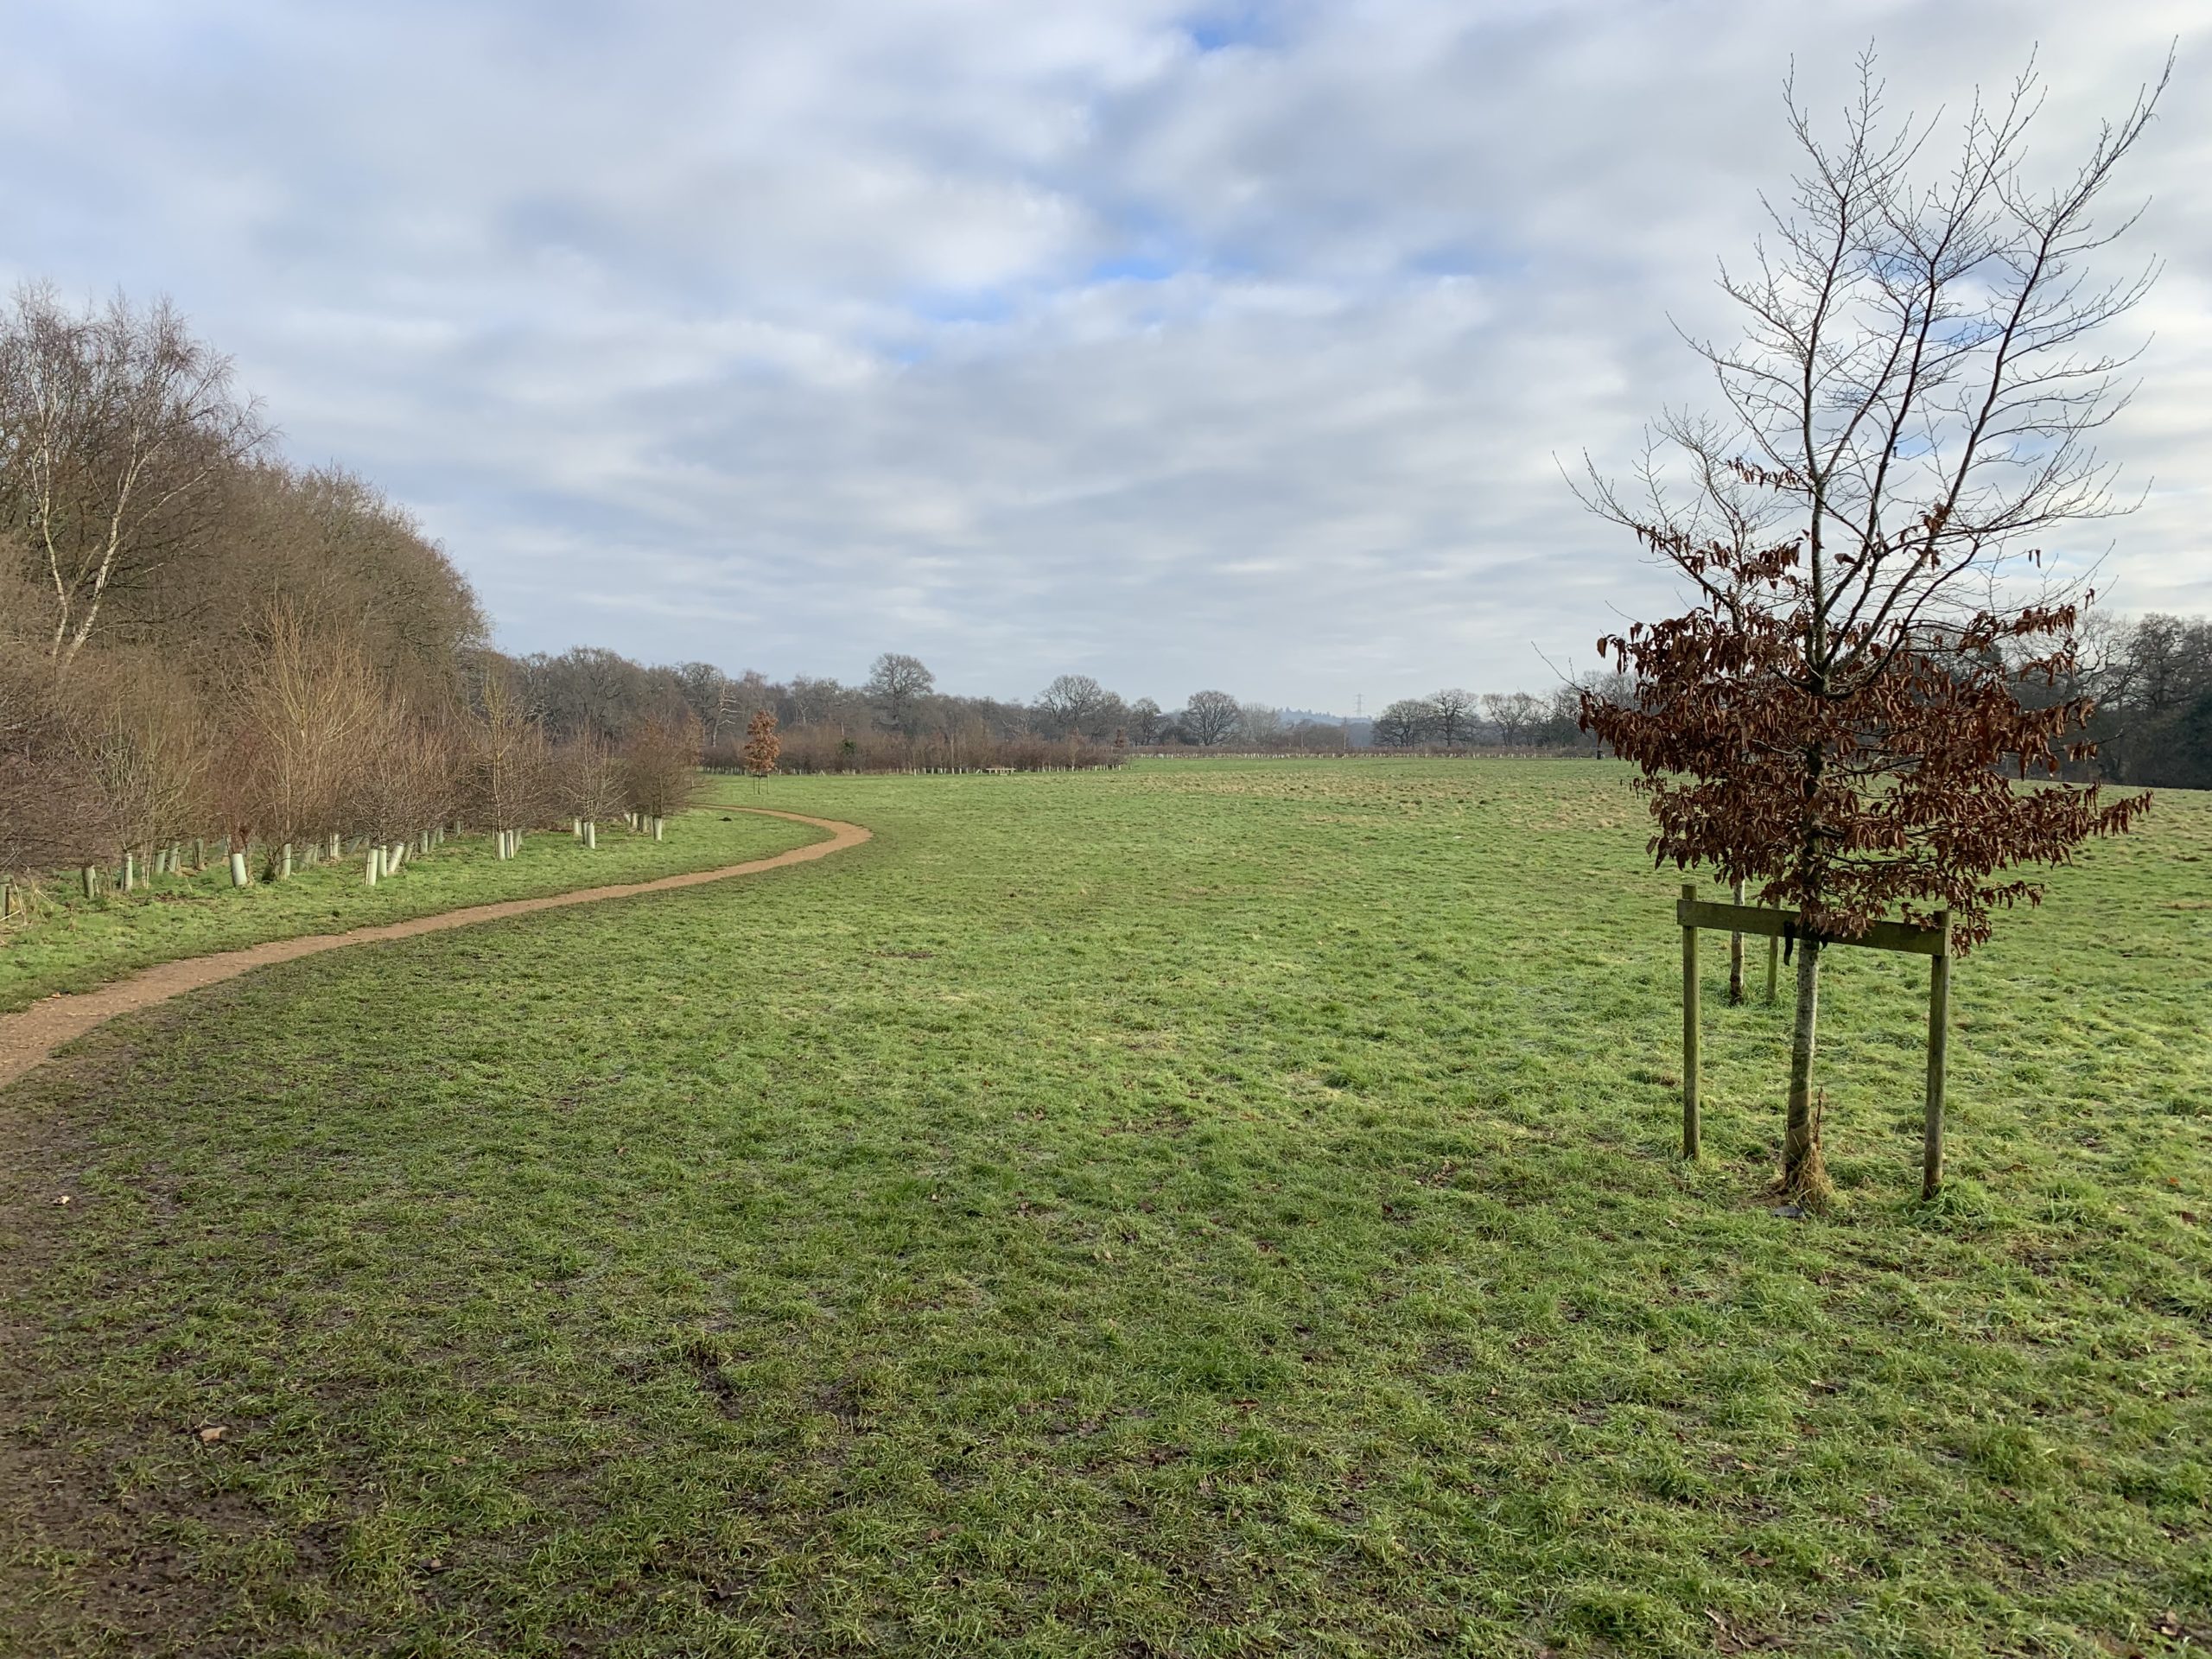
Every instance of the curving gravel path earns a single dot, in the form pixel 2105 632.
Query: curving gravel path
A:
pixel 29 1037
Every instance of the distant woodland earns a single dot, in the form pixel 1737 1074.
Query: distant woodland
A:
pixel 201 642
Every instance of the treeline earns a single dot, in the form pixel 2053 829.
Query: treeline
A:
pixel 2151 679
pixel 897 719
pixel 200 645
pixel 1453 719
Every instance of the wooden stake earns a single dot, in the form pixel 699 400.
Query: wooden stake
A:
pixel 1939 1051
pixel 1773 965
pixel 1690 1124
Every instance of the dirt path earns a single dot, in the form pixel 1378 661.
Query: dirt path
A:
pixel 29 1037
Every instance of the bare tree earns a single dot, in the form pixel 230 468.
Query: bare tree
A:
pixel 52 811
pixel 896 685
pixel 1912 405
pixel 507 771
pixel 1210 716
pixel 660 763
pixel 142 727
pixel 1451 715
pixel 587 784
pixel 116 427
pixel 1404 724
pixel 313 706
pixel 1145 720
pixel 1075 703
pixel 1514 713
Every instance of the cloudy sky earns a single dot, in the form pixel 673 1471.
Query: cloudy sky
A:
pixel 1181 345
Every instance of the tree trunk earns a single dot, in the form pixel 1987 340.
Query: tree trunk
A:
pixel 1804 1175
pixel 1735 956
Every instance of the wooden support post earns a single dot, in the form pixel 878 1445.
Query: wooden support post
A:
pixel 1939 1052
pixel 1690 1125
pixel 1773 965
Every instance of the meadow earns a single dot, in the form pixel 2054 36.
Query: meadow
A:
pixel 1214 1208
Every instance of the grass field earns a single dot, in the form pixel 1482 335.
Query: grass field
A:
pixel 1208 1209
pixel 76 943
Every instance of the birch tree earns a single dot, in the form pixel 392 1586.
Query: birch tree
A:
pixel 117 428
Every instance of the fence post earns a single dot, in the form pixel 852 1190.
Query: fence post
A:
pixel 1690 1125
pixel 1939 1048
pixel 1773 963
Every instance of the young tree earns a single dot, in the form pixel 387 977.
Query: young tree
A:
pixel 506 772
pixel 52 811
pixel 314 705
pixel 587 784
pixel 660 768
pixel 1912 403
pixel 762 745
pixel 141 728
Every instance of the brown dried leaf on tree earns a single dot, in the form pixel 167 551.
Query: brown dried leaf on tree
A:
pixel 762 745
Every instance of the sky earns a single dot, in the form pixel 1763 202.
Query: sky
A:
pixel 1184 345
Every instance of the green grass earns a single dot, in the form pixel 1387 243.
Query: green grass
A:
pixel 1209 1209
pixel 74 943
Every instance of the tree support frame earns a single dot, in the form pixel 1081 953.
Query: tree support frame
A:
pixel 1692 913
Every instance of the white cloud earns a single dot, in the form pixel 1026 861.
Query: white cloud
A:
pixel 1178 345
